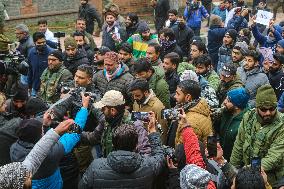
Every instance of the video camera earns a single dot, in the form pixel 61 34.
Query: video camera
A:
pixel 58 35
pixel 13 64
pixel 171 114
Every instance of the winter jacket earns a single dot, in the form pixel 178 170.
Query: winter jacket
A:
pixel 194 17
pixel 49 166
pixel 120 82
pixel 8 137
pixel 125 169
pixel 107 40
pixel 37 64
pixel 152 103
pixel 89 52
pixel 184 38
pixel 90 14
pixel 90 37
pixel 264 141
pixel 131 30
pixel 173 48
pixel 160 87
pixel 172 79
pixel 185 66
pixel 161 13
pixel 50 81
pixel 199 118
pixel 227 129
pixel 73 63
pixel 25 46
pixel 238 23
pixel 139 45
pixel 219 12
pixel 225 56
pixel 276 80
pixel 213 79
pixel 252 80
pixel 103 134
pixel 280 104
pixel 264 40
pixel 225 87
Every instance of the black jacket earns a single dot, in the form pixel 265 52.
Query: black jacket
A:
pixel 172 79
pixel 107 39
pixel 174 48
pixel 125 169
pixel 90 14
pixel 276 80
pixel 161 13
pixel 72 63
pixel 131 30
pixel 184 38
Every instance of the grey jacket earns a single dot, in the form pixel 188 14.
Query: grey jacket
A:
pixel 252 80
pixel 39 152
pixel 125 169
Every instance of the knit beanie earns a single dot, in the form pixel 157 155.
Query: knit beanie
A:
pixel 29 130
pixel 266 96
pixel 215 20
pixel 192 176
pixel 21 94
pixel 142 27
pixel 232 33
pixel 13 175
pixel 239 97
pixel 281 43
pixel 112 56
pixel 189 75
pixel 58 54
pixel 242 46
pixel 70 42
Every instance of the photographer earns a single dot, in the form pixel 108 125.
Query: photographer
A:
pixel 29 133
pixel 113 107
pixel 124 167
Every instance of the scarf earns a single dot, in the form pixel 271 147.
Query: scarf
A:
pixel 167 44
pixel 110 76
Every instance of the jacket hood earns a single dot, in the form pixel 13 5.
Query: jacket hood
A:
pixel 19 150
pixel 201 108
pixel 157 75
pixel 124 161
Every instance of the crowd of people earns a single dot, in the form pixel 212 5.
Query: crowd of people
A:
pixel 164 109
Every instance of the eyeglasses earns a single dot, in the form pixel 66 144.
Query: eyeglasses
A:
pixel 271 109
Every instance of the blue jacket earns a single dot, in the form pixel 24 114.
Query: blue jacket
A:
pixel 264 41
pixel 238 23
pixel 219 12
pixel 48 175
pixel 280 105
pixel 194 18
pixel 37 63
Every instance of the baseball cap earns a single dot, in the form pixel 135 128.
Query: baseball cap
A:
pixel 228 70
pixel 102 50
pixel 111 98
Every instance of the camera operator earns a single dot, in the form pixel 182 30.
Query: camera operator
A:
pixel 53 76
pixel 113 107
pixel 7 131
pixel 146 101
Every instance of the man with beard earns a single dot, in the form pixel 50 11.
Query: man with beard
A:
pixel 261 135
pixel 90 14
pixel 229 81
pixel 82 44
pixel 140 41
pixel 99 58
pixel 235 106
pixel 252 75
pixel 238 53
pixel 131 24
pixel 73 57
pixel 203 67
pixel 112 106
pixel 80 26
pixel 276 74
pixel 169 43
pixel 125 56
pixel 183 35
pixel 170 65
pixel 37 60
pixel 153 53
pixel 145 100
pixel 113 33
pixel 172 18
pixel 53 76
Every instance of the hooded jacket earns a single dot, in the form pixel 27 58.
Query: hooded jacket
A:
pixel 184 38
pixel 199 118
pixel 194 17
pixel 125 169
pixel 159 85
pixel 72 64
pixel 252 80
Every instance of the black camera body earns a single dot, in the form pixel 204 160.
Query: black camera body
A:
pixel 170 152
pixel 59 34
pixel 13 64
pixel 75 128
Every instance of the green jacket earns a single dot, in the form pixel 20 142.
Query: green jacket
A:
pixel 228 130
pixel 264 141
pixel 160 87
pixel 50 81
pixel 213 79
pixel 185 66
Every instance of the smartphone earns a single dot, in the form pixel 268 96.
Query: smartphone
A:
pixel 256 163
pixel 212 146
pixel 143 116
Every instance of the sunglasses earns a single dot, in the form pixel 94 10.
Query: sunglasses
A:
pixel 267 109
